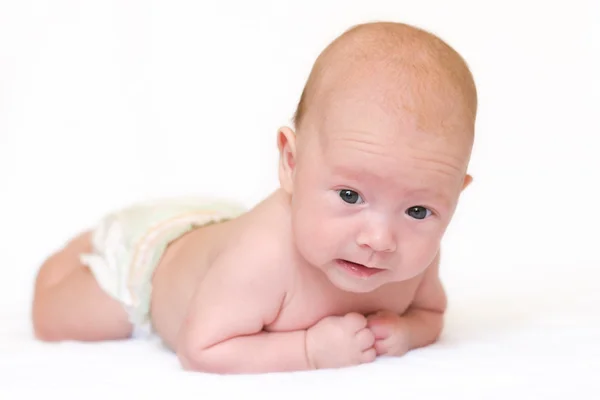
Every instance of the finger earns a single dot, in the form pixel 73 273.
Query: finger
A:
pixel 365 339
pixel 355 321
pixel 390 346
pixel 368 356
pixel 381 347
pixel 380 329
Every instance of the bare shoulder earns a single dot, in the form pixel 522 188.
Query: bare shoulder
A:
pixel 209 270
pixel 256 249
pixel 254 254
pixel 243 290
pixel 430 291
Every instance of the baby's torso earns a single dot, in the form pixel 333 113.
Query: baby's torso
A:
pixel 313 297
pixel 309 295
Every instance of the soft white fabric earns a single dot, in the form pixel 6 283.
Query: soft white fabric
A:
pixel 533 336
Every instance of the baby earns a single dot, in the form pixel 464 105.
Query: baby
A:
pixel 336 267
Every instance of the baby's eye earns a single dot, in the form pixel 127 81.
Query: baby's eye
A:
pixel 349 196
pixel 418 212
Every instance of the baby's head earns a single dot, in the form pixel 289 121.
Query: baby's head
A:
pixel 384 131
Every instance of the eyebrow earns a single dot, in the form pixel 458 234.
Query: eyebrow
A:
pixel 429 192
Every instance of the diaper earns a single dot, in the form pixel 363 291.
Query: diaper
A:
pixel 128 244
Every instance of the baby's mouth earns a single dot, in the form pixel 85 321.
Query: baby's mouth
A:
pixel 360 270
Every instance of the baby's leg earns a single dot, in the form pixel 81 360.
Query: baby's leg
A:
pixel 68 303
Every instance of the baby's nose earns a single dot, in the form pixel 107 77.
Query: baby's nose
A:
pixel 379 237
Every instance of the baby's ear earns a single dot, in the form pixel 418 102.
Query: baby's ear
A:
pixel 286 143
pixel 467 181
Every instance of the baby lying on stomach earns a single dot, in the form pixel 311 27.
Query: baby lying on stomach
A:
pixel 337 266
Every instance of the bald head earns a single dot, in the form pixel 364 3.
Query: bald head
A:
pixel 411 71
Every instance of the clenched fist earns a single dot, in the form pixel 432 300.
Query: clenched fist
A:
pixel 336 342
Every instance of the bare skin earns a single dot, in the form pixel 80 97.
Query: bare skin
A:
pixel 336 267
pixel 292 297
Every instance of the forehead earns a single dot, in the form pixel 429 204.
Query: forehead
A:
pixel 362 129
pixel 357 156
pixel 364 143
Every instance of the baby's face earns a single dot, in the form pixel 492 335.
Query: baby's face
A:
pixel 370 190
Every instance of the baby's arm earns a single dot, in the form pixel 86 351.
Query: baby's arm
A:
pixel 424 319
pixel 223 331
pixel 420 325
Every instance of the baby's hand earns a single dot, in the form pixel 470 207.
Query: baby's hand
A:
pixel 336 342
pixel 390 334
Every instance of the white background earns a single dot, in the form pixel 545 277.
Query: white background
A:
pixel 106 103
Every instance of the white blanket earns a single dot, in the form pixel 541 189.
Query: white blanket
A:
pixel 537 336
